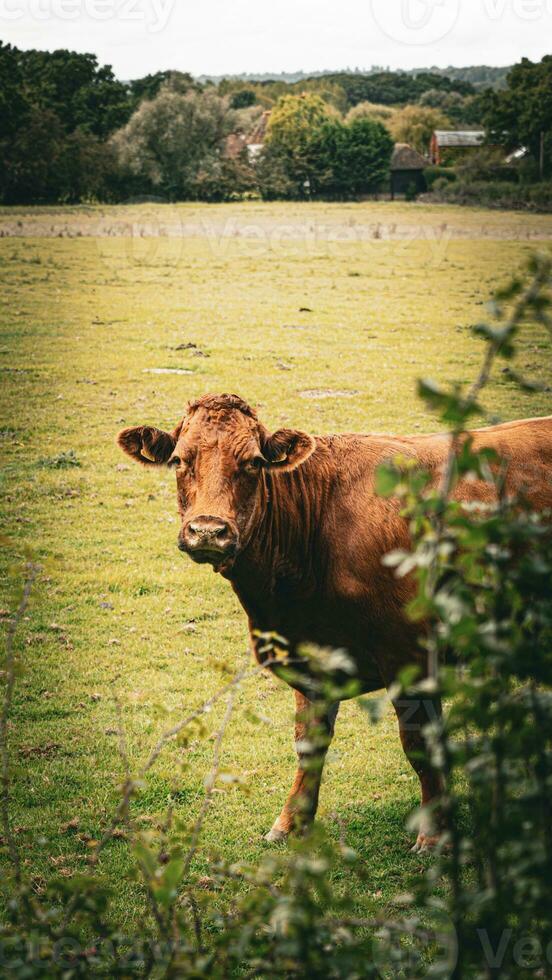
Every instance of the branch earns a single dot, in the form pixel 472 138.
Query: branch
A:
pixel 209 783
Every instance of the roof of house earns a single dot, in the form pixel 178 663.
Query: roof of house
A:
pixel 459 137
pixel 234 144
pixel 252 142
pixel 405 157
pixel 258 134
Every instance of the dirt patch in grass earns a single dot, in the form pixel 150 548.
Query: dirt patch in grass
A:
pixel 320 393
pixel 163 370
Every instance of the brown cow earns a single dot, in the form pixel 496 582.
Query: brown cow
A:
pixel 294 523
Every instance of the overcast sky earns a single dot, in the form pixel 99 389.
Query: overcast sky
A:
pixel 230 36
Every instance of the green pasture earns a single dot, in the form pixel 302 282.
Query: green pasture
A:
pixel 325 331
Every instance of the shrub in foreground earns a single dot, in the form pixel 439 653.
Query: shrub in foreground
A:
pixel 484 579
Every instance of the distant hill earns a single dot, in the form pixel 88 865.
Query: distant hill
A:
pixel 478 75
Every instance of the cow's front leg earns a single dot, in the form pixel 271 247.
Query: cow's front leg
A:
pixel 314 728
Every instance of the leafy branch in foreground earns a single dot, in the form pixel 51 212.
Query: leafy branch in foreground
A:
pixel 484 576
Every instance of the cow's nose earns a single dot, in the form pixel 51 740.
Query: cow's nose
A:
pixel 208 533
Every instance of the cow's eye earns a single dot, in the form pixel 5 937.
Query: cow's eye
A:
pixel 253 465
pixel 174 461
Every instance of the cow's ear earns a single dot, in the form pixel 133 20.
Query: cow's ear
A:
pixel 286 449
pixel 147 445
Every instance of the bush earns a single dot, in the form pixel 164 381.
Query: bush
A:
pixel 539 195
pixel 497 194
pixel 484 589
pixel 273 174
pixel 434 173
pixel 414 124
pixel 486 164
pixel 370 110
pixel 243 98
pixel 220 179
pixel 440 184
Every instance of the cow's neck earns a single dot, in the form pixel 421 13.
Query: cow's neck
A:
pixel 284 554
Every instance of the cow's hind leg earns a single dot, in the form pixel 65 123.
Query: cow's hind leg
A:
pixel 414 713
pixel 314 728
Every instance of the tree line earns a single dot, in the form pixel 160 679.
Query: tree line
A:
pixel 477 75
pixel 71 132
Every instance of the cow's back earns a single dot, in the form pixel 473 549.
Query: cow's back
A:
pixel 520 441
pixel 525 450
pixel 525 447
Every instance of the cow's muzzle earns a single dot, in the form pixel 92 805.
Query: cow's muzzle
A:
pixel 208 539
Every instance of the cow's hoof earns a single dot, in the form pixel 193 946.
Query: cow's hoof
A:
pixel 275 834
pixel 425 844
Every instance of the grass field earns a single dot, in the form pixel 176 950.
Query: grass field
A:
pixel 325 330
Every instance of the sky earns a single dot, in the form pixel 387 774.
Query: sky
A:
pixel 218 37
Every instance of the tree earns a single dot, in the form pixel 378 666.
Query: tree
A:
pixel 243 98
pixel 367 156
pixel 373 111
pixel 273 178
pixel 80 92
pixel 331 160
pixel 14 105
pixel 393 88
pixel 289 140
pixel 149 86
pixel 46 165
pixel 56 110
pixel 86 167
pixel 415 124
pixel 221 179
pixel 437 99
pixel 328 90
pixel 521 115
pixel 170 138
pixel 460 109
pixel 350 160
pixel 294 119
pixel 30 168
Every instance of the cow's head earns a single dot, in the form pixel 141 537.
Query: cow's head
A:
pixel 221 454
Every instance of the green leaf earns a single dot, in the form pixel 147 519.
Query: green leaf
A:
pixel 387 480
